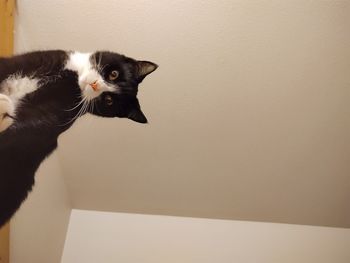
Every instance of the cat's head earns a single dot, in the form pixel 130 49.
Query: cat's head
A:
pixel 110 85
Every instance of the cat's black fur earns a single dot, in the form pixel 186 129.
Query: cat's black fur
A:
pixel 44 114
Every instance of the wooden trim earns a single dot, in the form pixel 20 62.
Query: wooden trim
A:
pixel 5 244
pixel 7 8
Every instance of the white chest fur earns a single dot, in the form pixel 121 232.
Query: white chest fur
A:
pixel 16 87
pixel 13 89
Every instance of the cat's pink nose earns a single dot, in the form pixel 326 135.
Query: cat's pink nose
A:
pixel 94 86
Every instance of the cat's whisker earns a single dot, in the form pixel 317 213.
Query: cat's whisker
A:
pixel 95 62
pixel 99 63
pixel 79 114
pixel 76 105
pixel 104 67
pixel 91 110
pixel 83 111
pixel 88 102
pixel 91 106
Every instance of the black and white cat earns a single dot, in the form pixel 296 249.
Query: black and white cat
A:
pixel 41 95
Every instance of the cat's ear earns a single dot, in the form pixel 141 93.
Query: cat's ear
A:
pixel 137 115
pixel 145 68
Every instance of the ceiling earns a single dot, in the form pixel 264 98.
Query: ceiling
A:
pixel 249 110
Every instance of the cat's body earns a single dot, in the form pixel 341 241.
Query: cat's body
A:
pixel 41 95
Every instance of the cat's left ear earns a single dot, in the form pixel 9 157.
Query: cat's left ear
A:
pixel 137 115
pixel 145 68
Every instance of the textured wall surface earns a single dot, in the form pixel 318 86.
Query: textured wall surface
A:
pixel 249 110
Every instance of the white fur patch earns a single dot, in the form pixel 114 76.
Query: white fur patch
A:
pixel 6 108
pixel 13 89
pixel 17 86
pixel 87 74
pixel 79 62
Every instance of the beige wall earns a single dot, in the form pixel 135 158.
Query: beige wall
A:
pixel 38 230
pixel 127 238
pixel 249 110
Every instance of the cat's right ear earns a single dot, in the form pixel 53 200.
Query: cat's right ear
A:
pixel 145 68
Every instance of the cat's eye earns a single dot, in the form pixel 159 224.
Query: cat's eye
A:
pixel 109 100
pixel 113 75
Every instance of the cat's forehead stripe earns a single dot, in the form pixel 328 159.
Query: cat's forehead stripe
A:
pixel 78 62
pixel 87 74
